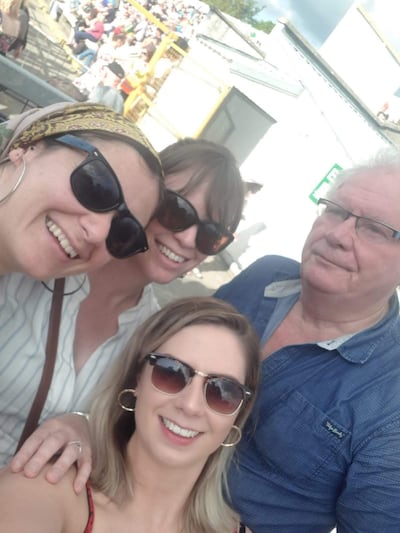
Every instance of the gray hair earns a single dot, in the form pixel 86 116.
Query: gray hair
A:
pixel 385 160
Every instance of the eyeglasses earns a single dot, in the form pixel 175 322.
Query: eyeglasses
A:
pixel 367 228
pixel 222 394
pixel 96 187
pixel 177 214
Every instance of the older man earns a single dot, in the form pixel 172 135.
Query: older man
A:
pixel 323 445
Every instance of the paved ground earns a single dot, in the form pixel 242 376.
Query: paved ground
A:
pixel 48 58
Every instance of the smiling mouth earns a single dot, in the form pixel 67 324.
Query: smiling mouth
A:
pixel 62 239
pixel 170 254
pixel 178 430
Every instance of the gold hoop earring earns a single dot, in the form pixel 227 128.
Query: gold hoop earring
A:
pixel 17 183
pixel 131 405
pixel 238 438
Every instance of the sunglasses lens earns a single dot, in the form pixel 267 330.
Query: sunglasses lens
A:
pixel 223 395
pixel 95 187
pixel 126 237
pixel 169 375
pixel 175 213
pixel 211 239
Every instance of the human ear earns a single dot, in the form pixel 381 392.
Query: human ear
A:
pixel 16 154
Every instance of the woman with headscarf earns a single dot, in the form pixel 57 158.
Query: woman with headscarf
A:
pixel 78 183
pixel 200 211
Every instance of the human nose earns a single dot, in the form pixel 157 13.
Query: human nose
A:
pixel 96 226
pixel 342 233
pixel 191 399
pixel 187 237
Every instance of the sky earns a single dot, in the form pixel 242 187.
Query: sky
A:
pixel 315 19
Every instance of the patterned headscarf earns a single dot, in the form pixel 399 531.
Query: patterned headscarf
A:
pixel 37 124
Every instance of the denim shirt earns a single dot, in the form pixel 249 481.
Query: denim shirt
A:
pixel 322 445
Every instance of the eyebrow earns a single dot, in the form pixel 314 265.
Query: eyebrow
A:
pixel 374 218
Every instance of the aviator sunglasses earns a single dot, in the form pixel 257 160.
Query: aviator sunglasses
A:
pixel 177 214
pixel 96 187
pixel 222 394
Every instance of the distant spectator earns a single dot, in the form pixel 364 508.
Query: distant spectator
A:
pixel 9 23
pixel 94 32
pixel 107 91
pixel 20 42
pixel 58 7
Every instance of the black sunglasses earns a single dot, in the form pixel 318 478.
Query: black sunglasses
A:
pixel 222 394
pixel 177 214
pixel 96 187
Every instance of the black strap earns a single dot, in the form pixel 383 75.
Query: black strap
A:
pixel 48 367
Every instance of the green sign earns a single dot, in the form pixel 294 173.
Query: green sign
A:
pixel 324 185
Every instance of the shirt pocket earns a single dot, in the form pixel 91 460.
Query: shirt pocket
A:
pixel 298 440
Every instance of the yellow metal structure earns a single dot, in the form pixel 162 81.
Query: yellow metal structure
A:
pixel 145 85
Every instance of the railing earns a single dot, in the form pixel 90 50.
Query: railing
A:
pixel 21 90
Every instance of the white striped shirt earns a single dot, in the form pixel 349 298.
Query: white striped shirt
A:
pixel 24 317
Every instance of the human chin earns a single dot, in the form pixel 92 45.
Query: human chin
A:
pixel 162 275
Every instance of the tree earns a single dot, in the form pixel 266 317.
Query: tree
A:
pixel 263 25
pixel 244 10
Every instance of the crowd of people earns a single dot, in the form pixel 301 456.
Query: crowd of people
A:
pixel 104 33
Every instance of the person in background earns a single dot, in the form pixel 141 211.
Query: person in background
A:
pixel 107 91
pixel 20 42
pixel 58 7
pixel 325 449
pixel 93 31
pixel 201 209
pixel 164 426
pixel 59 227
pixel 9 23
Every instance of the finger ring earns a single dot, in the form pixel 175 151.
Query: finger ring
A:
pixel 76 443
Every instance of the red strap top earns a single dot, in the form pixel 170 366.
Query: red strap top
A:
pixel 89 525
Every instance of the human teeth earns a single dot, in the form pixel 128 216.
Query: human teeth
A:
pixel 170 254
pixel 62 239
pixel 182 432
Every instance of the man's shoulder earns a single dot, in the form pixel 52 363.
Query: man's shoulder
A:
pixel 274 263
pixel 271 268
pixel 256 276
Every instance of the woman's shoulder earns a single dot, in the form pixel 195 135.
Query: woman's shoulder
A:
pixel 37 506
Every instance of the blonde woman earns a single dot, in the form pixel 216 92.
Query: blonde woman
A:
pixel 164 426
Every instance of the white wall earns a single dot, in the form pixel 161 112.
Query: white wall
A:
pixel 319 129
pixel 361 58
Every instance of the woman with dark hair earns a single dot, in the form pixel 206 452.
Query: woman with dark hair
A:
pixel 72 175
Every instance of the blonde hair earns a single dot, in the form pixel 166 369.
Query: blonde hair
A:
pixel 111 427
pixel 11 7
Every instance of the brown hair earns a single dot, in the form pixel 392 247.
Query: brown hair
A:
pixel 213 162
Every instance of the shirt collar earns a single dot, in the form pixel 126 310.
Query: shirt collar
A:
pixel 348 346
